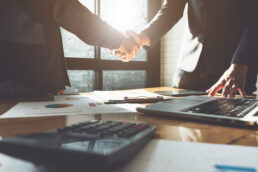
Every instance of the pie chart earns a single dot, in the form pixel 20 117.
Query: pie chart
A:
pixel 58 105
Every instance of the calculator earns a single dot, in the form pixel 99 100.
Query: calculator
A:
pixel 91 145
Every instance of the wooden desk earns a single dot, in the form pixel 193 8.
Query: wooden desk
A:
pixel 169 129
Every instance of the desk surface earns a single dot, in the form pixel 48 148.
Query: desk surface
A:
pixel 168 129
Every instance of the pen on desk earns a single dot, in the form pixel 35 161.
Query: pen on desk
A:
pixel 137 100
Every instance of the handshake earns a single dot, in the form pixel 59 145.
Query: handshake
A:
pixel 131 45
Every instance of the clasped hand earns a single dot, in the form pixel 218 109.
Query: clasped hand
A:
pixel 131 45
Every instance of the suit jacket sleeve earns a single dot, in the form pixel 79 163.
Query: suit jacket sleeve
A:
pixel 247 51
pixel 165 19
pixel 76 18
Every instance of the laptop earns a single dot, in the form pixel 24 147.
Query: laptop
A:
pixel 225 110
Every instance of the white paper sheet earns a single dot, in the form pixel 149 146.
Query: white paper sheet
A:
pixel 131 107
pixel 77 107
pixel 170 156
pixel 73 98
pixel 92 103
pixel 164 156
pixel 119 95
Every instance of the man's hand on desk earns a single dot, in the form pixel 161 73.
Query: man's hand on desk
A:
pixel 231 82
pixel 130 47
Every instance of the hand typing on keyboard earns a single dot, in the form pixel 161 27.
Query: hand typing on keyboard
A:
pixel 231 82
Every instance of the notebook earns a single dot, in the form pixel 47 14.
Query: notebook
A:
pixel 225 110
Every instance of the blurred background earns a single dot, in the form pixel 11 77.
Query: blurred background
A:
pixel 94 68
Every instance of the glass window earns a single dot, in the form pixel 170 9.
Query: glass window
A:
pixel 124 79
pixel 124 15
pixel 73 46
pixel 81 81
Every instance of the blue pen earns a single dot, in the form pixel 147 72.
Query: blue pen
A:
pixel 231 168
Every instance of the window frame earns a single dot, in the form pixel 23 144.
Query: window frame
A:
pixel 98 65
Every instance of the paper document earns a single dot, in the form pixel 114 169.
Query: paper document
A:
pixel 164 156
pixel 120 95
pixel 170 156
pixel 73 98
pixel 66 105
pixel 93 103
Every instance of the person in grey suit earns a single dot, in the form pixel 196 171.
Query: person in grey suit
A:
pixel 210 46
pixel 31 53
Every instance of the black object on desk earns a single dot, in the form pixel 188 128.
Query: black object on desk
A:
pixel 92 145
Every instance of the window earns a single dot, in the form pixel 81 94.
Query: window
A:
pixel 95 68
pixel 73 46
pixel 123 79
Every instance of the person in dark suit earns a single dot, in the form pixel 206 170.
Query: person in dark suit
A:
pixel 31 53
pixel 210 46
pixel 247 55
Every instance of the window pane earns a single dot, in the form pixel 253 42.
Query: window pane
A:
pixel 117 80
pixel 81 81
pixel 73 46
pixel 124 15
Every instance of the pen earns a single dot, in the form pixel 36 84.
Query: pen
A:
pixel 137 100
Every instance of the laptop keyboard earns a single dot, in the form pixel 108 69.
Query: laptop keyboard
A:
pixel 105 129
pixel 226 107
